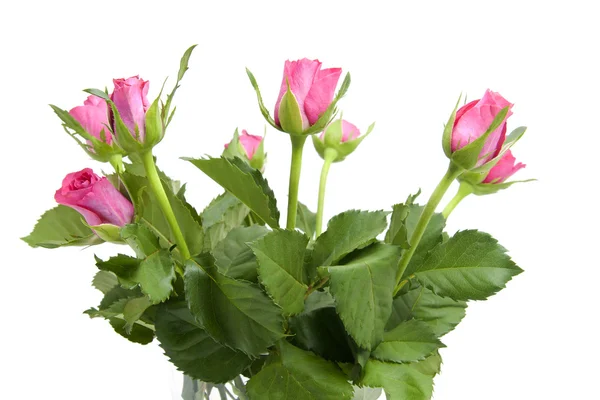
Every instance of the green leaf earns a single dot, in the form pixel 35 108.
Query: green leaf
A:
pixel 137 334
pixel 399 381
pixel 441 314
pixel 469 266
pixel 363 290
pixel 222 215
pixel 408 342
pixel 345 233
pixel 245 183
pixel 192 350
pixel 122 266
pixel 156 271
pixel 133 311
pixel 319 329
pixel 235 313
pixel 61 226
pixel 233 256
pixel 280 256
pixel 104 281
pixel 306 220
pixel 297 374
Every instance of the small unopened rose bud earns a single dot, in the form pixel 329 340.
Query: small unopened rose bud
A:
pixel 247 147
pixel 131 100
pixel 504 169
pixel 340 136
pixel 95 198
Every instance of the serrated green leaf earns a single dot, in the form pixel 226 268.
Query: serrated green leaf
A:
pixel 61 226
pixel 104 281
pixel 233 256
pixel 363 290
pixel 133 311
pixel 245 183
pixel 235 313
pixel 280 256
pixel 137 334
pixel 399 381
pixel 319 329
pixel 156 271
pixel 441 314
pixel 299 375
pixel 122 266
pixel 306 220
pixel 345 233
pixel 409 341
pixel 192 350
pixel 469 266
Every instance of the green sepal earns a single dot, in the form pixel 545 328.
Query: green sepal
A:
pixel 155 129
pixel 183 67
pixel 447 136
pixel 290 116
pixel 108 232
pixel 263 109
pixel 467 157
pixel 481 189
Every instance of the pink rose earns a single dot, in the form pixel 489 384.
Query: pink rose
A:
pixel 504 169
pixel 93 117
pixel 312 87
pixel 95 198
pixel 349 132
pixel 130 98
pixel 474 118
pixel 250 143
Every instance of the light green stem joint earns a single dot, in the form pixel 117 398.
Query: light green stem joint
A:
pixel 295 169
pixel 463 191
pixel 329 157
pixel 163 202
pixel 437 195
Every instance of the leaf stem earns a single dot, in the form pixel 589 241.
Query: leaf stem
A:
pixel 451 174
pixel 295 169
pixel 329 157
pixel 163 202
pixel 463 191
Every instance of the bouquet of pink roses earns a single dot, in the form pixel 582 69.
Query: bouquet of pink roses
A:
pixel 248 309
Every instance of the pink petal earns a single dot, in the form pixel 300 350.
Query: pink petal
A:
pixel 321 93
pixel 349 131
pixel 130 98
pixel 250 143
pixel 504 169
pixel 93 117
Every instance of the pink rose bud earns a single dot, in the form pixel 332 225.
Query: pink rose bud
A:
pixel 93 117
pixel 504 169
pixel 95 198
pixel 473 120
pixel 250 143
pixel 349 132
pixel 312 87
pixel 130 98
pixel 247 146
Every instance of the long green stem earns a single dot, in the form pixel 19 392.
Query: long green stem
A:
pixel 329 157
pixel 463 191
pixel 163 202
pixel 452 173
pixel 295 169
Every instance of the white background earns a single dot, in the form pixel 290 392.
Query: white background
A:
pixel 409 62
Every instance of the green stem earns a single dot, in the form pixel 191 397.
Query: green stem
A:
pixel 116 161
pixel 295 168
pixel 329 157
pixel 452 173
pixel 163 202
pixel 463 191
